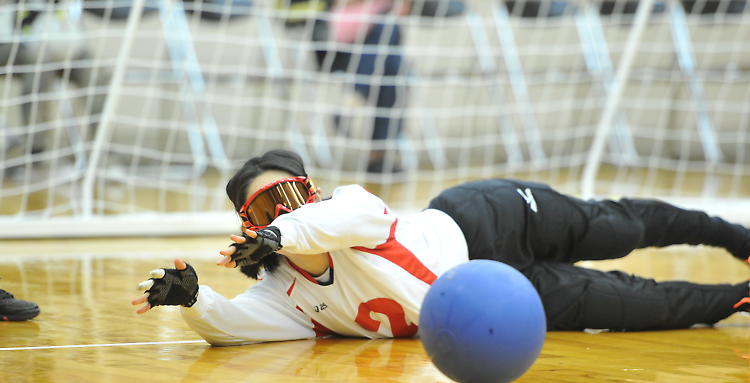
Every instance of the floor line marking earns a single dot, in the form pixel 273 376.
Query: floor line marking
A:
pixel 100 345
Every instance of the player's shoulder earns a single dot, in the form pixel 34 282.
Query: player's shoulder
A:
pixel 349 190
pixel 354 199
pixel 354 192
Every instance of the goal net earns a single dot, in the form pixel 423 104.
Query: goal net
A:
pixel 128 117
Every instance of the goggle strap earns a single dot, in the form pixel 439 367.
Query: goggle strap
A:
pixel 311 187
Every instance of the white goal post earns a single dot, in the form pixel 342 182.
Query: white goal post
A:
pixel 128 117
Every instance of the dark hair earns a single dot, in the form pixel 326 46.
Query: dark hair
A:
pixel 277 159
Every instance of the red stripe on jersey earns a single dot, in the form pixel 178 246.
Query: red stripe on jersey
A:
pixel 303 272
pixel 395 252
pixel 289 292
pixel 319 329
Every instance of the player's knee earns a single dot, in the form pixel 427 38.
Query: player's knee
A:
pixel 632 237
pixel 629 227
pixel 614 307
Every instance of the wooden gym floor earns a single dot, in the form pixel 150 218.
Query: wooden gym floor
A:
pixel 88 331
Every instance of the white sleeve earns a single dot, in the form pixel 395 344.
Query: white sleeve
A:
pixel 260 314
pixel 351 217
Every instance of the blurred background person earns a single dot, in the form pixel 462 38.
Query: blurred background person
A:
pixel 359 28
pixel 41 43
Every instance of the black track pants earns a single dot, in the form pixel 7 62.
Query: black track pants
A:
pixel 542 233
pixel 577 298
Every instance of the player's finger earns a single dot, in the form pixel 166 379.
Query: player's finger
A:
pixel 179 264
pixel 142 299
pixel 158 273
pixel 223 261
pixel 146 285
pixel 250 233
pixel 228 251
pixel 237 239
pixel 226 262
pixel 143 309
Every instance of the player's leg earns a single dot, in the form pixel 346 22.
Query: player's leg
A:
pixel 568 229
pixel 517 222
pixel 576 298
pixel 664 225
pixel 482 221
pixel 614 228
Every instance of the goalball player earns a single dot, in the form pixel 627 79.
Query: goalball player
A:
pixel 349 266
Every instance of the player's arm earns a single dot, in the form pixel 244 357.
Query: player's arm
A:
pixel 352 217
pixel 260 314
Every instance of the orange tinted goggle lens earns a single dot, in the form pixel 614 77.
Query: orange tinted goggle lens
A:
pixel 265 207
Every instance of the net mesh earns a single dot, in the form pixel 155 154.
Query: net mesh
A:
pixel 405 98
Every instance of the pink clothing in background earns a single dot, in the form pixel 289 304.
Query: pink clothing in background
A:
pixel 348 19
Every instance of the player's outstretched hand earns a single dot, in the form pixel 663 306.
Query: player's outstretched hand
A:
pixel 169 287
pixel 251 247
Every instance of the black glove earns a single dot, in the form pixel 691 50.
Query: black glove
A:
pixel 172 287
pixel 255 249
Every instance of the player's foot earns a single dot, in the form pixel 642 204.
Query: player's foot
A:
pixel 744 303
pixel 12 309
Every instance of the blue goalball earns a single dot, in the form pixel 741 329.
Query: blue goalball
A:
pixel 482 321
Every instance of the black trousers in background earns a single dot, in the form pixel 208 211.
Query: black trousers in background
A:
pixel 543 233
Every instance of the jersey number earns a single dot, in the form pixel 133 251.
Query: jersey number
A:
pixel 389 308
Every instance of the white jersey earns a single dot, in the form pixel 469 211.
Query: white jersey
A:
pixel 382 267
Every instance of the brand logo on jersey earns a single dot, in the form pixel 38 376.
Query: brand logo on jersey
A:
pixel 321 307
pixel 529 198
